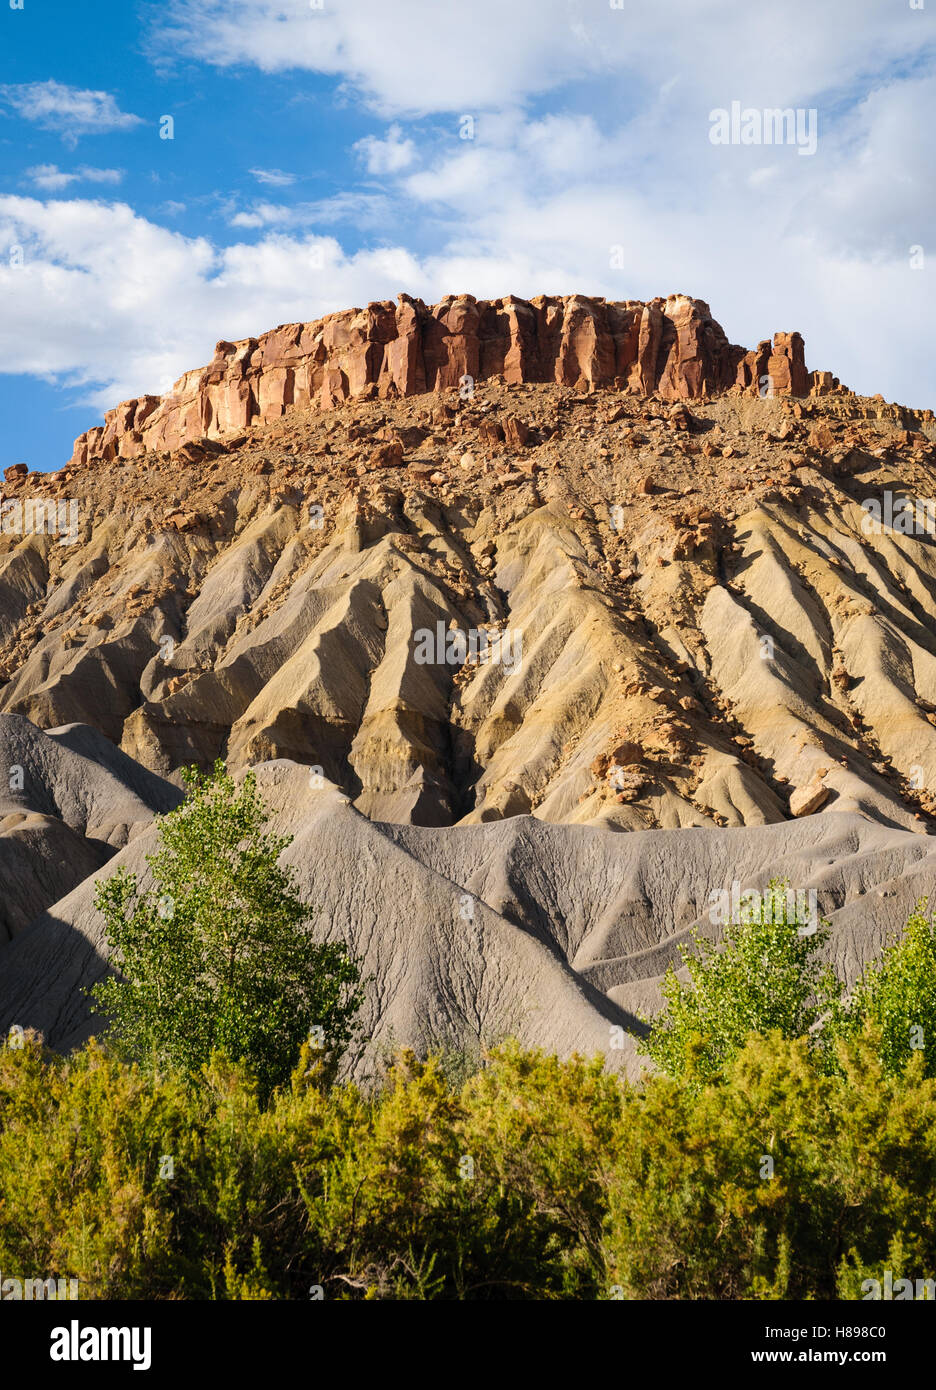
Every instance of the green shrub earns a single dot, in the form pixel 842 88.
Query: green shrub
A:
pixel 535 1178
pixel 897 995
pixel 777 1180
pixel 217 955
pixel 786 1148
pixel 765 978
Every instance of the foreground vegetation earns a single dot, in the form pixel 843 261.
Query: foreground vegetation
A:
pixel 783 1147
pixel 535 1178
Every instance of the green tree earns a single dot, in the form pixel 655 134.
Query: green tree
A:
pixel 766 977
pixel 897 994
pixel 216 956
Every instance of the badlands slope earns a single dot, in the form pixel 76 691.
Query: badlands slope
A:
pixel 709 643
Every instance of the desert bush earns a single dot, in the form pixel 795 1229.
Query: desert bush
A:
pixel 784 1148
pixel 535 1178
pixel 779 1180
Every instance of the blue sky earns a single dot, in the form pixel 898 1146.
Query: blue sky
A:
pixel 319 160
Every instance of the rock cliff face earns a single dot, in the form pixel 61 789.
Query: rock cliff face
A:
pixel 701 627
pixel 671 348
pixel 579 646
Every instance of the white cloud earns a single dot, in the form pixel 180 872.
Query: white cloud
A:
pixel 262 216
pixel 276 178
pixel 387 156
pixel 112 303
pixel 413 57
pixel 133 305
pixel 68 111
pixel 52 179
pixel 408 56
pixel 515 158
pixel 879 192
pixel 363 209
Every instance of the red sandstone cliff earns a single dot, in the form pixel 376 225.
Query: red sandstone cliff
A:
pixel 669 347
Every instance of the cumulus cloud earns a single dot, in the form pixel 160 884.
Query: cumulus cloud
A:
pixel 109 302
pixel 412 57
pixel 512 157
pixel 388 156
pixel 68 111
pixel 408 56
pixel 51 179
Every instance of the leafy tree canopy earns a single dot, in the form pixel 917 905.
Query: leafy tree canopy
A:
pixel 216 955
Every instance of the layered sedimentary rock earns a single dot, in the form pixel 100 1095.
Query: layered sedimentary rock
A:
pixel 709 627
pixel 671 348
pixel 530 672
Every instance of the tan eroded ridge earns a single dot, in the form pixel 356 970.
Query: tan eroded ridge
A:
pixel 710 635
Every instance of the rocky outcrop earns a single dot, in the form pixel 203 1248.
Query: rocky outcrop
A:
pixel 631 583
pixel 778 368
pixel 671 348
pixel 698 582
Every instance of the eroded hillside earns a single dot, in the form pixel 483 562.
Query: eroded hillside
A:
pixel 698 622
